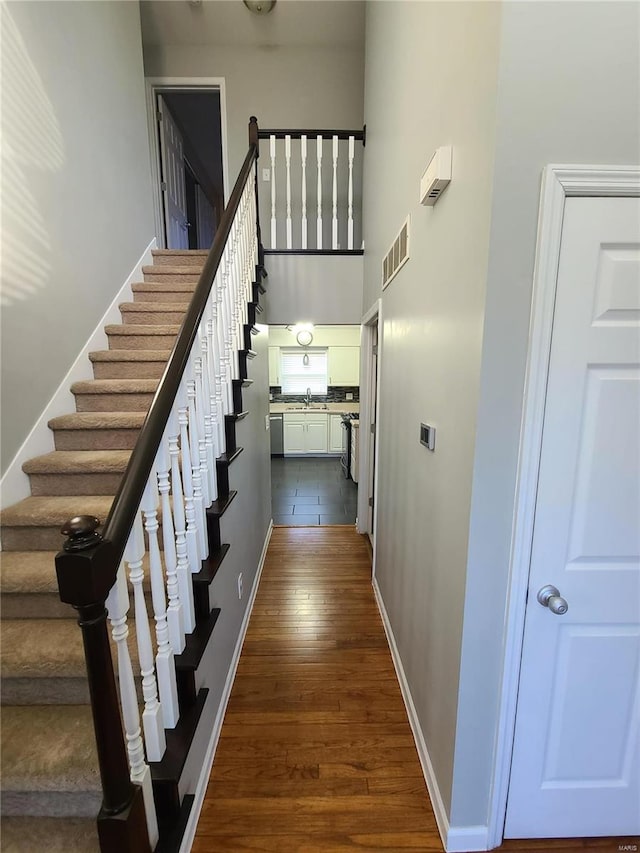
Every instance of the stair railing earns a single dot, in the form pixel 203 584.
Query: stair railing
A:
pixel 316 190
pixel 171 476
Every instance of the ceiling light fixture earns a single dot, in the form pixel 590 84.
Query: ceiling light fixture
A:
pixel 260 7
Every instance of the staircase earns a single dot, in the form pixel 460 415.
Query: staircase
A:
pixel 51 788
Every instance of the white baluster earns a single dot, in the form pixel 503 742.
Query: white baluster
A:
pixel 174 610
pixel 165 666
pixel 319 192
pixel 118 607
pixel 195 426
pixel 209 414
pixel 183 571
pixel 287 156
pixel 152 714
pixel 193 548
pixel 350 210
pixel 272 141
pixel 334 218
pixel 303 153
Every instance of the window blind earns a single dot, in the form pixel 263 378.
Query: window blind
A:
pixel 298 376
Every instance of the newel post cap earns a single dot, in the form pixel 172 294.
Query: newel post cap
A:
pixel 82 531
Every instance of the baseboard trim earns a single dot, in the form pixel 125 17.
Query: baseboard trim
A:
pixel 201 787
pixel 423 753
pixel 455 839
pixel 467 839
pixel 14 485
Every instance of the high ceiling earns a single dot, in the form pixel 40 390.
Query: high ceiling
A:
pixel 229 22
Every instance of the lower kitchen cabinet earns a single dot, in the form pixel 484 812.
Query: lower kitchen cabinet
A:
pixel 335 433
pixel 306 432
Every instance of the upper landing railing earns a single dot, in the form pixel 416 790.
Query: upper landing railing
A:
pixel 314 201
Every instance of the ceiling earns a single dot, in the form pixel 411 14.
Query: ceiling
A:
pixel 229 22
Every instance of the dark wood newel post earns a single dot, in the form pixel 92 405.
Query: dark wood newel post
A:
pixel 254 139
pixel 86 570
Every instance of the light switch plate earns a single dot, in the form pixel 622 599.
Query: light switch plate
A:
pixel 266 422
pixel 428 436
pixel 348 396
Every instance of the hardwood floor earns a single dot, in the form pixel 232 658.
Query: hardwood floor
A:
pixel 316 752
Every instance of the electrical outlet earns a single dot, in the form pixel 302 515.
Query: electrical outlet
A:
pixel 266 175
pixel 240 585
pixel 266 422
pixel 348 396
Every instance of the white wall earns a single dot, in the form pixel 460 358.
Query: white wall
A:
pixel 569 89
pixel 310 86
pixel 430 80
pixel 313 289
pixel 323 336
pixel 76 206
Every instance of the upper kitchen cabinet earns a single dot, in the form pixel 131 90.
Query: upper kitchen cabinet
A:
pixel 274 366
pixel 344 365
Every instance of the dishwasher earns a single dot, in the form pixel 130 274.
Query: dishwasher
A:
pixel 277 435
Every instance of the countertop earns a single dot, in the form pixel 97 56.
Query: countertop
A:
pixel 332 408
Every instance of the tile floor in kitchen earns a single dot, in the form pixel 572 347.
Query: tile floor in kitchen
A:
pixel 312 490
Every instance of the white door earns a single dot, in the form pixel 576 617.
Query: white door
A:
pixel 576 759
pixel 173 190
pixel 206 219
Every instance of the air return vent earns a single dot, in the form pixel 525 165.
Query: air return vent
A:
pixel 397 256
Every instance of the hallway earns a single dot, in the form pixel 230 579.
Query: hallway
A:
pixel 316 752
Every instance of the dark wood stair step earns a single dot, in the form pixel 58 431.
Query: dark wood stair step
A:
pixel 202 581
pixel 188 662
pixel 166 774
pixel 214 514
pixel 222 469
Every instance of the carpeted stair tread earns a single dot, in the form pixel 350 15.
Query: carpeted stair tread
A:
pixel 115 386
pixel 113 355
pixel 160 287
pixel 48 748
pixel 79 462
pixel 53 834
pixel 34 573
pixel 141 329
pixel 50 648
pixel 171 269
pixel 54 511
pixel 24 572
pixel 98 420
pixel 153 307
pixel 180 257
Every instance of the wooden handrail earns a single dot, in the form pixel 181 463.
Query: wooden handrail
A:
pixel 325 134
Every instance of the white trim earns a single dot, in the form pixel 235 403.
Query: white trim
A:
pixel 371 318
pixel 14 485
pixel 153 85
pixel 203 780
pixel 423 754
pixel 456 839
pixel 558 183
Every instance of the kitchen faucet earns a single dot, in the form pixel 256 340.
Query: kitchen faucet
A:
pixel 307 401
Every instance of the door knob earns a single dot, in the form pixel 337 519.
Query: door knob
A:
pixel 549 596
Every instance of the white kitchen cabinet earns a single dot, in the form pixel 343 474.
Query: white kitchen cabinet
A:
pixel 335 433
pixel 306 432
pixel 274 366
pixel 344 365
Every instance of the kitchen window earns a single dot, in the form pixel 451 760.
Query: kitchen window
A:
pixel 302 369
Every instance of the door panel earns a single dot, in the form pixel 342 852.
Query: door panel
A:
pixel 576 759
pixel 174 193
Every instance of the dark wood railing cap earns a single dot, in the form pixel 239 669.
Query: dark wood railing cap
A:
pixel 82 531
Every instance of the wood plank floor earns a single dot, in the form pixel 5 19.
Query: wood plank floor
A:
pixel 316 752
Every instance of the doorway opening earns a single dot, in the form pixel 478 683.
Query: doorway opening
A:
pixel 187 132
pixel 314 423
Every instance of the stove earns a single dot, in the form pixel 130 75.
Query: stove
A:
pixel 345 459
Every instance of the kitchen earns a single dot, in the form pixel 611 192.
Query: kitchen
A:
pixel 313 420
